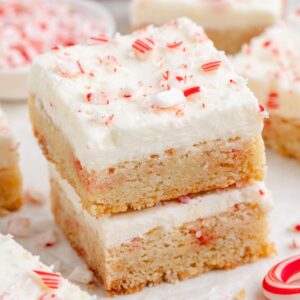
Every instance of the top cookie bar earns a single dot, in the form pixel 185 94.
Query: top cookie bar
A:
pixel 151 116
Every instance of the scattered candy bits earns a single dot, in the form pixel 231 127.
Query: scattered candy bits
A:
pixel 29 28
pixel 279 283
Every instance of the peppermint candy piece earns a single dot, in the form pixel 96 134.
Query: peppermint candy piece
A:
pixel 211 66
pixel 143 47
pixel 169 98
pixel 51 280
pixel 279 283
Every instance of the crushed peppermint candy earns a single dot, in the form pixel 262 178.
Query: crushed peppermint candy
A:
pixel 51 280
pixel 47 239
pixel 44 27
pixel 211 66
pixel 272 100
pixel 170 98
pixel 295 244
pixel 97 98
pixel 297 227
pixel 191 91
pixel 184 199
pixel 143 46
pixel 174 44
pixel 48 296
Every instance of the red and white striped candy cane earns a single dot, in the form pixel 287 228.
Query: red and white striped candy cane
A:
pixel 281 281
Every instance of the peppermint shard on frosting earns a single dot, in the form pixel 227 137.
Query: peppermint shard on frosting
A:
pixel 270 62
pixel 181 239
pixel 23 276
pixel 148 117
pixel 229 23
pixel 10 178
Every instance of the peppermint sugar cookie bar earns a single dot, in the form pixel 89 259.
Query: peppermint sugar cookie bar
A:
pixel 24 277
pixel 179 239
pixel 147 117
pixel 229 23
pixel 270 63
pixel 10 178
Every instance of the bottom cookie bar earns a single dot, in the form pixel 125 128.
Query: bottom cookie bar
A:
pixel 173 241
pixel 24 277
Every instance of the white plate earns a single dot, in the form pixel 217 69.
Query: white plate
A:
pixel 13 83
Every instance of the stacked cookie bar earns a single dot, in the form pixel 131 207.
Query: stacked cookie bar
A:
pixel 157 160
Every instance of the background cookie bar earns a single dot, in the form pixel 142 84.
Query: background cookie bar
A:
pixel 229 23
pixel 269 63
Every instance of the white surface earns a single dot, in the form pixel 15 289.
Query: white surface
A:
pixel 13 84
pixel 283 179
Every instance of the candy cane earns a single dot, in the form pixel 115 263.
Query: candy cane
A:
pixel 279 283
pixel 51 280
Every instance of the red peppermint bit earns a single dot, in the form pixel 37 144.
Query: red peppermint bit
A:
pixel 174 44
pixel 179 78
pixel 89 97
pixel 51 280
pixel 261 108
pixel 166 75
pixel 48 296
pixel 127 95
pixel 297 227
pixel 261 192
pixel 184 199
pixel 232 81
pixel 109 119
pixel 179 113
pixel 55 48
pixel 211 66
pixel 101 38
pixel 266 44
pixel 272 101
pixel 294 244
pixel 80 67
pixel 144 45
pixel 191 91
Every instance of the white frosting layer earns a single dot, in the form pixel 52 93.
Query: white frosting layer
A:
pixel 19 282
pixel 271 64
pixel 108 99
pixel 222 14
pixel 118 229
pixel 8 146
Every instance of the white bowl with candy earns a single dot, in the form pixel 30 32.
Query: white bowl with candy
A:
pixel 32 27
